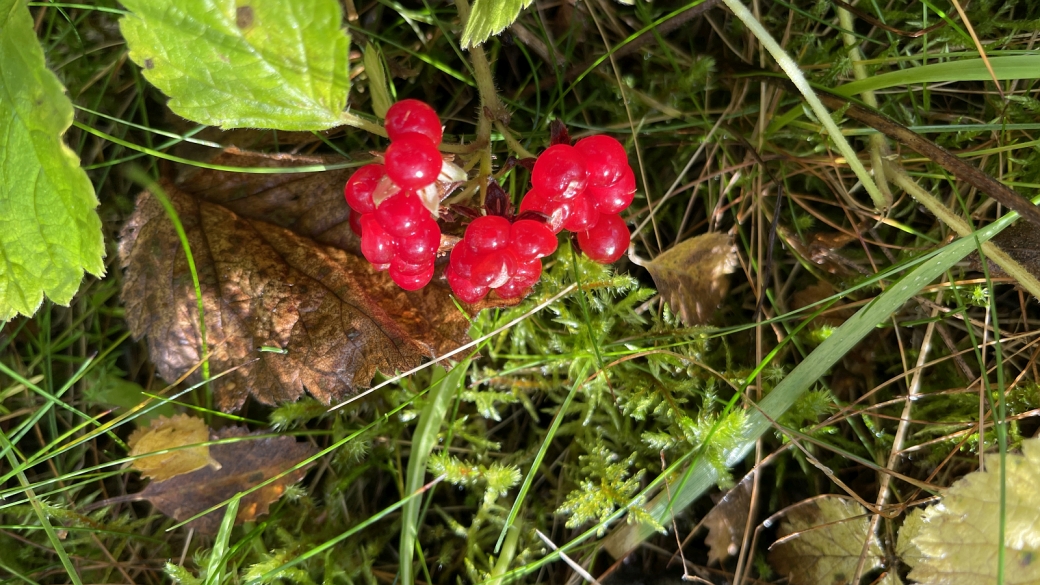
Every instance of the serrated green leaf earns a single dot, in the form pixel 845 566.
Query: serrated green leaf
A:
pixel 490 17
pixel 381 100
pixel 279 64
pixel 49 229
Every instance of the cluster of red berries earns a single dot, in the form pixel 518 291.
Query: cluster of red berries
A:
pixel 399 233
pixel 581 188
pixel 496 254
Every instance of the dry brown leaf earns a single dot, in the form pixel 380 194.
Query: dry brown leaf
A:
pixel 813 294
pixel 826 541
pixel 1021 241
pixel 244 464
pixel 168 433
pixel 691 276
pixel 727 521
pixel 263 284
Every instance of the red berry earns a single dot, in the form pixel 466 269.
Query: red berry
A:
pixel 488 233
pixel 413 116
pixel 463 287
pixel 411 276
pixel 463 258
pixel 583 214
pixel 556 215
pixel 376 244
pixel 530 239
pixel 559 173
pixel 493 269
pixel 607 240
pixel 511 290
pixel 401 214
pixel 527 273
pixel 360 185
pixel 605 158
pixel 355 222
pixel 616 197
pixel 413 161
pixel 421 246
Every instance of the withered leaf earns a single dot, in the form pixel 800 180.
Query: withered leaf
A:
pixel 692 275
pixel 727 521
pixel 266 285
pixel 825 541
pixel 1021 241
pixel 244 464
pixel 167 433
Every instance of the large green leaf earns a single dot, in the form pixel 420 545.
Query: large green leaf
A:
pixel 49 229
pixel 248 63
pixel 490 17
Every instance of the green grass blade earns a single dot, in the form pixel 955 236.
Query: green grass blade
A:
pixel 217 560
pixel 423 442
pixel 1005 68
pixel 703 476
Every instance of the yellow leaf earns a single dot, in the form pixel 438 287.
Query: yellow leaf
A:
pixel 826 542
pixel 691 276
pixel 169 433
pixel 955 542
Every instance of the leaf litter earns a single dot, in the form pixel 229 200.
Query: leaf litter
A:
pixel 692 276
pixel 239 466
pixel 272 253
pixel 168 433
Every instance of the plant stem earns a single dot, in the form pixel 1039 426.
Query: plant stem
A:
pixel 360 123
pixel 795 75
pixel 512 142
pixel 491 108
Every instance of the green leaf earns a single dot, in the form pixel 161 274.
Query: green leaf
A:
pixel 49 229
pixel 248 63
pixel 490 17
pixel 1004 68
pixel 381 100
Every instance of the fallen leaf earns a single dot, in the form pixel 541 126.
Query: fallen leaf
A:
pixel 244 464
pixel 691 276
pixel 1021 241
pixel 955 541
pixel 268 281
pixel 727 521
pixel 826 542
pixel 816 293
pixel 168 433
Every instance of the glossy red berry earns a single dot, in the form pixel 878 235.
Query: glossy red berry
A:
pixel 401 214
pixel 488 233
pixel 360 186
pixel 530 239
pixel 555 215
pixel 376 244
pixel 616 197
pixel 493 269
pixel 559 173
pixel 413 161
pixel 511 290
pixel 463 287
pixel 605 158
pixel 463 258
pixel 607 240
pixel 527 273
pixel 411 276
pixel 422 245
pixel 407 116
pixel 582 214
pixel 355 222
